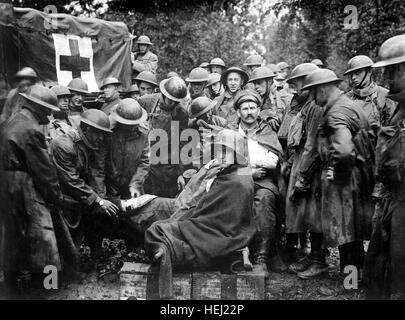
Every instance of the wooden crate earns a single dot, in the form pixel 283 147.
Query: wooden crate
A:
pixel 140 281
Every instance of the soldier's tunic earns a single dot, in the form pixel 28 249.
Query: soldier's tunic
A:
pixel 12 105
pixel 145 62
pixel 163 174
pixel 346 152
pixel 111 104
pixel 29 184
pixel 224 107
pixel 305 212
pixel 273 109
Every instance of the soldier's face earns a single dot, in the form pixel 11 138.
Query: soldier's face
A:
pixel 251 68
pixel 297 84
pixel 321 97
pixel 110 90
pixel 284 72
pixel 234 82
pixel 169 103
pixel 248 112
pixel 217 69
pixel 395 76
pixel 196 87
pixel 135 95
pixel 77 99
pixel 357 77
pixel 261 86
pixel 23 85
pixel 63 102
pixel 143 48
pixel 216 87
pixel 145 88
pixel 96 137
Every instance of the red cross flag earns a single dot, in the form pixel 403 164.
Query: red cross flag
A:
pixel 60 47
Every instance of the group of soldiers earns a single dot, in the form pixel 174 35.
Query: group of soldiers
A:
pixel 280 154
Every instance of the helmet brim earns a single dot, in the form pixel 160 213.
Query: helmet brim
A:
pixel 205 110
pixel 94 125
pixel 78 90
pixel 262 78
pixel 107 84
pixel 388 62
pixel 310 86
pixel 40 102
pixel 122 120
pixel 245 76
pixel 347 72
pixel 147 81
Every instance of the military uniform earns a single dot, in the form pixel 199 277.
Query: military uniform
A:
pixel 145 62
pixel 110 104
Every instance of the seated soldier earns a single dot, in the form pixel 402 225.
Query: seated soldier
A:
pixel 212 216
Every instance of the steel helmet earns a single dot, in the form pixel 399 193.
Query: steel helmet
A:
pixel 319 77
pixel 273 67
pixel 302 70
pixel 133 88
pixel 318 62
pixel 262 73
pixel 174 88
pixel 61 91
pixel 143 40
pixel 392 51
pixel 282 65
pixel 244 75
pixel 129 112
pixel 200 106
pixel 279 77
pixel 213 78
pixel 254 60
pixel 42 96
pixel 198 75
pixel 78 85
pixel 96 119
pixel 172 74
pixel 358 62
pixel 217 62
pixel 204 65
pixel 247 95
pixel 110 80
pixel 26 72
pixel 147 76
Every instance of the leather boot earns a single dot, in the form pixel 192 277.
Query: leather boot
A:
pixel 276 263
pixel 261 250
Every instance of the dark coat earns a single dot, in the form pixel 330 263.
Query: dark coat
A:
pixel 111 104
pixel 224 107
pixel 346 151
pixel 29 185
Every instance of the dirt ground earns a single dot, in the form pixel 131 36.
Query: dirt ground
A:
pixel 100 281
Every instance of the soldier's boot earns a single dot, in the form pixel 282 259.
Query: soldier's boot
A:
pixel 318 266
pixel 304 261
pixel 261 251
pixel 275 262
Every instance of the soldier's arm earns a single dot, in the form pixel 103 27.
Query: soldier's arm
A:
pixel 343 152
pixel 142 171
pixel 65 158
pixel 41 169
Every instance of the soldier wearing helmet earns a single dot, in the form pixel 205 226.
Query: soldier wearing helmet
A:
pixel 28 190
pixel 386 280
pixel 197 80
pixel 110 88
pixel 143 59
pixel 206 66
pixel 347 161
pixel 272 107
pixel 371 97
pixel 214 87
pixel 264 154
pixel 24 79
pixel 147 82
pixel 133 92
pixel 299 169
pixel 165 112
pixel 234 80
pixel 252 62
pixel 79 89
pixel 318 63
pixel 217 65
pixel 79 158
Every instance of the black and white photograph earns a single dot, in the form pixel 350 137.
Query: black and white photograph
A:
pixel 182 151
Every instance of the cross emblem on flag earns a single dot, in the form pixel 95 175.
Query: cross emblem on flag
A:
pixel 74 59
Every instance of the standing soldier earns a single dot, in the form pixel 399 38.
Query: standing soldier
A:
pixel 79 89
pixel 214 87
pixel 25 78
pixel 384 272
pixel 147 82
pixel 166 114
pixel 347 161
pixel 217 65
pixel 110 88
pixel 272 108
pixel 28 188
pixel 234 79
pixel 371 97
pixel 128 152
pixel 144 59
pixel 303 205
pixel 197 80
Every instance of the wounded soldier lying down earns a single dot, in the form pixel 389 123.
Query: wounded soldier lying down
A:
pixel 212 216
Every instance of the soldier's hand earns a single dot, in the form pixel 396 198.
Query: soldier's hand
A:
pixel 181 183
pixel 109 208
pixel 135 193
pixel 258 173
